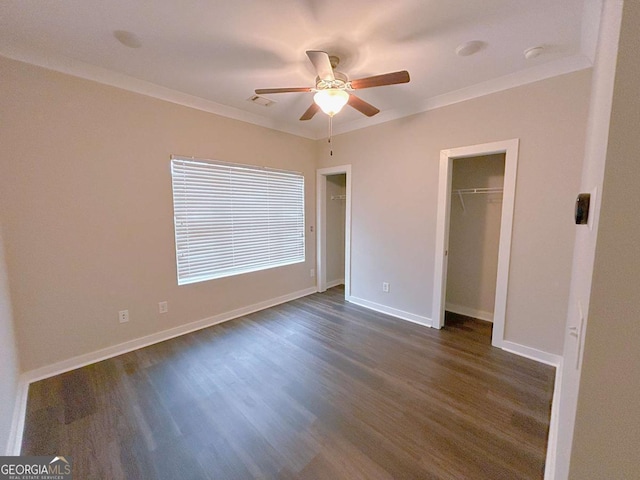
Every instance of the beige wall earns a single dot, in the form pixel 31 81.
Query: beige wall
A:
pixel 9 370
pixel 394 197
pixel 86 205
pixel 336 185
pixel 85 199
pixel 474 236
pixel 607 429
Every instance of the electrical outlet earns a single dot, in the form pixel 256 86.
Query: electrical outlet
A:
pixel 385 287
pixel 163 307
pixel 312 272
pixel 123 316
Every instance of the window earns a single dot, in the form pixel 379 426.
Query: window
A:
pixel 231 219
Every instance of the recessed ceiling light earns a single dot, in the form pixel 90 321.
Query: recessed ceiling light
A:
pixel 533 52
pixel 469 48
pixel 128 39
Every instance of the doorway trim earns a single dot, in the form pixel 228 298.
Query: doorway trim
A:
pixel 510 149
pixel 321 231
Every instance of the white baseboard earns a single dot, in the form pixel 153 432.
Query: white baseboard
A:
pixel 554 425
pixel 469 312
pixel 15 438
pixel 394 312
pixel 135 344
pixel 335 283
pixel 554 361
pixel 532 353
pixel 14 445
pixel 17 427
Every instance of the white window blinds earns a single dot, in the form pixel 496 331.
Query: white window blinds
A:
pixel 231 219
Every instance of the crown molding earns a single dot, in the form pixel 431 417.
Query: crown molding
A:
pixel 105 76
pixel 108 77
pixel 531 75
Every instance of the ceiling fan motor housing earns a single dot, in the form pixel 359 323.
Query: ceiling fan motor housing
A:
pixel 340 81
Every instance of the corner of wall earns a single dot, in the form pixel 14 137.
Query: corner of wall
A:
pixel 10 398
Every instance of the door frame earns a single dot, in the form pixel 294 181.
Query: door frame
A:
pixel 321 231
pixel 510 149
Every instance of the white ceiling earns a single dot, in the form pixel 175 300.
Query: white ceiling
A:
pixel 212 54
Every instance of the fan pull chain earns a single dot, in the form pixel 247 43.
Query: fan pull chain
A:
pixel 330 135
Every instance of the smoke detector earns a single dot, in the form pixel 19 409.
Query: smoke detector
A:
pixel 533 52
pixel 469 48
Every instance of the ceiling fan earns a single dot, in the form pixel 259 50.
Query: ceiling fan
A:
pixel 334 89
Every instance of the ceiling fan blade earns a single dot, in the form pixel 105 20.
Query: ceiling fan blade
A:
pixel 262 91
pixel 381 80
pixel 362 106
pixel 311 111
pixel 322 64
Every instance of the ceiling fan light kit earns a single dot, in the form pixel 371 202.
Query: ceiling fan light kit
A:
pixel 331 100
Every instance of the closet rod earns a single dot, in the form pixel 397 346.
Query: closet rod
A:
pixel 473 191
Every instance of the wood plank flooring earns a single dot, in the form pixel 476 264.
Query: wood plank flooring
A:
pixel 313 389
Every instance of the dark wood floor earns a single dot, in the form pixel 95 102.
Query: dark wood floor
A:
pixel 313 389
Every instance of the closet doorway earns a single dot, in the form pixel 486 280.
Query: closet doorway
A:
pixel 335 202
pixel 333 241
pixel 474 233
pixel 473 199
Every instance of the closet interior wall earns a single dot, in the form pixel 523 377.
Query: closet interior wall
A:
pixel 474 235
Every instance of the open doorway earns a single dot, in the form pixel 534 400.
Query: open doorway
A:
pixel 509 149
pixel 333 208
